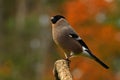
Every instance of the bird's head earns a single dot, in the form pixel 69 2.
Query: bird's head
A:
pixel 54 19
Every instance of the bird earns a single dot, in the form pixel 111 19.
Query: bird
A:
pixel 68 39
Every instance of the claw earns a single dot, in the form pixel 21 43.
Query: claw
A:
pixel 68 61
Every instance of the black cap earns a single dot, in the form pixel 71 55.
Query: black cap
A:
pixel 54 19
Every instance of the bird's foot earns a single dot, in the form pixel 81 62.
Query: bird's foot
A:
pixel 68 61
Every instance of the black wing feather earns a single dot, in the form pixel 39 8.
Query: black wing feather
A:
pixel 75 36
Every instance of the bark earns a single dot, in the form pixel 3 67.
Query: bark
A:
pixel 61 70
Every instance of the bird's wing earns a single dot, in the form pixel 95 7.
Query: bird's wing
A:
pixel 86 49
pixel 77 38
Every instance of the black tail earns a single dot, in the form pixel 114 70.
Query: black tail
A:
pixel 93 56
pixel 100 62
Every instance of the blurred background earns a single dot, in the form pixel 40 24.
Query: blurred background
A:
pixel 27 51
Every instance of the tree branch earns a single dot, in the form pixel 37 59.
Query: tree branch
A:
pixel 61 70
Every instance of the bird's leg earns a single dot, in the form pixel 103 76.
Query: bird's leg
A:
pixel 68 59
